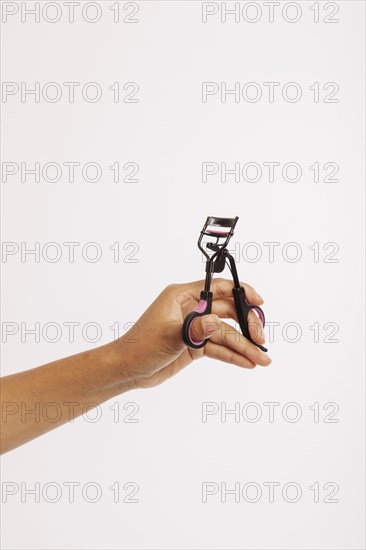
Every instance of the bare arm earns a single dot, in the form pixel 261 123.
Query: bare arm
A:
pixel 60 390
pixel 65 387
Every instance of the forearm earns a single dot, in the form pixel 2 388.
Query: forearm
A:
pixel 61 390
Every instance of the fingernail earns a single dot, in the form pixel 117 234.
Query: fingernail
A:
pixel 259 297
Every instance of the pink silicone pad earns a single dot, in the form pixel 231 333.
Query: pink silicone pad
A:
pixel 217 232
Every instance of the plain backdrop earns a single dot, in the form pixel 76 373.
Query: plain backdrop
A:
pixel 170 452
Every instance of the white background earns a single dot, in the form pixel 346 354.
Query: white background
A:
pixel 169 133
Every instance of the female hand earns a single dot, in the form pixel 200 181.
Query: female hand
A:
pixel 154 345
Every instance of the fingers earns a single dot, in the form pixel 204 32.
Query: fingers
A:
pixel 204 327
pixel 224 309
pixel 255 328
pixel 222 353
pixel 222 288
pixel 229 337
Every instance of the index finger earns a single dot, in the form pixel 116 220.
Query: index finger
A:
pixel 223 288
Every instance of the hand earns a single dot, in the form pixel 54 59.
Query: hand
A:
pixel 154 347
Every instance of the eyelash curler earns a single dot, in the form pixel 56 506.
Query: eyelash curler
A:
pixel 216 264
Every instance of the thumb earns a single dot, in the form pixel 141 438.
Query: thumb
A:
pixel 205 326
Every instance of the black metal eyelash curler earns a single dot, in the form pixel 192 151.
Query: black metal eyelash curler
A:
pixel 216 264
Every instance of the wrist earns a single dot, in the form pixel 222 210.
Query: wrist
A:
pixel 117 367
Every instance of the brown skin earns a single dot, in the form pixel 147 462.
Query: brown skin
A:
pixel 150 353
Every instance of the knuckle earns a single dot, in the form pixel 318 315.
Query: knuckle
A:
pixel 171 288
